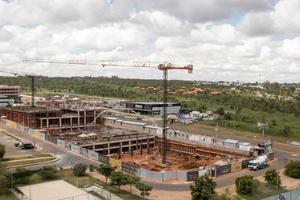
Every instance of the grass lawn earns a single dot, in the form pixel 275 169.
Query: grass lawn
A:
pixel 9 196
pixel 264 190
pixel 26 160
pixel 80 182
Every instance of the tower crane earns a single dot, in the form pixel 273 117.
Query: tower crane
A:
pixel 165 67
pixel 33 78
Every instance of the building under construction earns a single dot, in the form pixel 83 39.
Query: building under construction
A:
pixel 50 119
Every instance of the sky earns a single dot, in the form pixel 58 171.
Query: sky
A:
pixel 229 40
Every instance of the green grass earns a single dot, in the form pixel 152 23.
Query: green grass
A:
pixel 263 191
pixel 9 196
pixel 27 156
pixel 26 160
pixel 80 182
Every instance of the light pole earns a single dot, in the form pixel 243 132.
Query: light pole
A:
pixel 30 182
pixel 263 126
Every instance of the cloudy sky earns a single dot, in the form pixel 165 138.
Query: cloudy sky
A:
pixel 246 40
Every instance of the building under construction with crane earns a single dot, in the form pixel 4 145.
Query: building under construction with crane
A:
pixel 133 142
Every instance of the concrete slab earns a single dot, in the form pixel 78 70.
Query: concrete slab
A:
pixel 55 190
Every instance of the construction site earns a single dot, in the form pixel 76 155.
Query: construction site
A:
pixel 123 138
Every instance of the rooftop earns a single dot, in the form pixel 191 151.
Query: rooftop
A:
pixel 152 102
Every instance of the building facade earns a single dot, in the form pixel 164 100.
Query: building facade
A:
pixel 153 108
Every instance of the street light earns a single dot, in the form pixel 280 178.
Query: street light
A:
pixel 30 182
pixel 262 126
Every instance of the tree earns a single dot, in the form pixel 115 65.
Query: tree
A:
pixel 132 180
pixel 220 111
pixel 118 178
pixel 48 173
pixel 245 184
pixel 143 188
pixel 2 151
pixel 203 189
pixel 272 177
pixel 293 169
pixel 286 130
pixel 79 169
pixel 105 170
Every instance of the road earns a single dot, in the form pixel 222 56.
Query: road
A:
pixel 67 158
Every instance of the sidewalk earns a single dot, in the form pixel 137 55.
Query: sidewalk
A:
pixel 155 193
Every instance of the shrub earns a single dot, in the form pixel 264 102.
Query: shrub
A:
pixel 79 169
pixel 293 169
pixel 2 151
pixel 272 177
pixel 92 167
pixel 3 184
pixel 204 188
pixel 49 173
pixel 22 176
pixel 245 184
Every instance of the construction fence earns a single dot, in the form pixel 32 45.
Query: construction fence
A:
pixel 132 168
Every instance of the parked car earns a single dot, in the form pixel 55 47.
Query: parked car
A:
pixel 25 145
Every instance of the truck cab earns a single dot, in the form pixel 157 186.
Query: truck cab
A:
pixel 260 162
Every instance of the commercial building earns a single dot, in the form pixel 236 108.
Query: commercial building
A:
pixel 11 92
pixel 153 108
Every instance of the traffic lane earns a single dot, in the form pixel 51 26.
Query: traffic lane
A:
pixel 66 157
pixel 10 148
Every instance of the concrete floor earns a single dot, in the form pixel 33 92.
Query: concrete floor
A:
pixel 55 190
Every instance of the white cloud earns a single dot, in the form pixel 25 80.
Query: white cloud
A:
pixel 265 40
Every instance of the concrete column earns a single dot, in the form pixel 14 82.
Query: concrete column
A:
pixel 148 146
pixel 108 148
pixel 78 119
pixel 94 146
pixel 47 123
pixel 71 123
pixel 60 124
pixel 84 119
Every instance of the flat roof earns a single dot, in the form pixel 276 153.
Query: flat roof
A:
pixel 9 86
pixel 151 102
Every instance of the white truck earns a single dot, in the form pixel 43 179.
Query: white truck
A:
pixel 258 163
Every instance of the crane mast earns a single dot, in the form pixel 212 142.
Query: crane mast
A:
pixel 165 67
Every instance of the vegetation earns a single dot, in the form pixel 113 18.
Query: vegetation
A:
pixel 293 169
pixel 245 185
pixel 225 196
pixel 79 169
pixel 145 189
pixel 49 173
pixel 105 170
pixel 2 151
pixel 272 177
pixel 239 108
pixel 203 189
pixel 81 181
pixel 118 178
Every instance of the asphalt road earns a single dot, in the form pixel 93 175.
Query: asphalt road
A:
pixel 67 158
